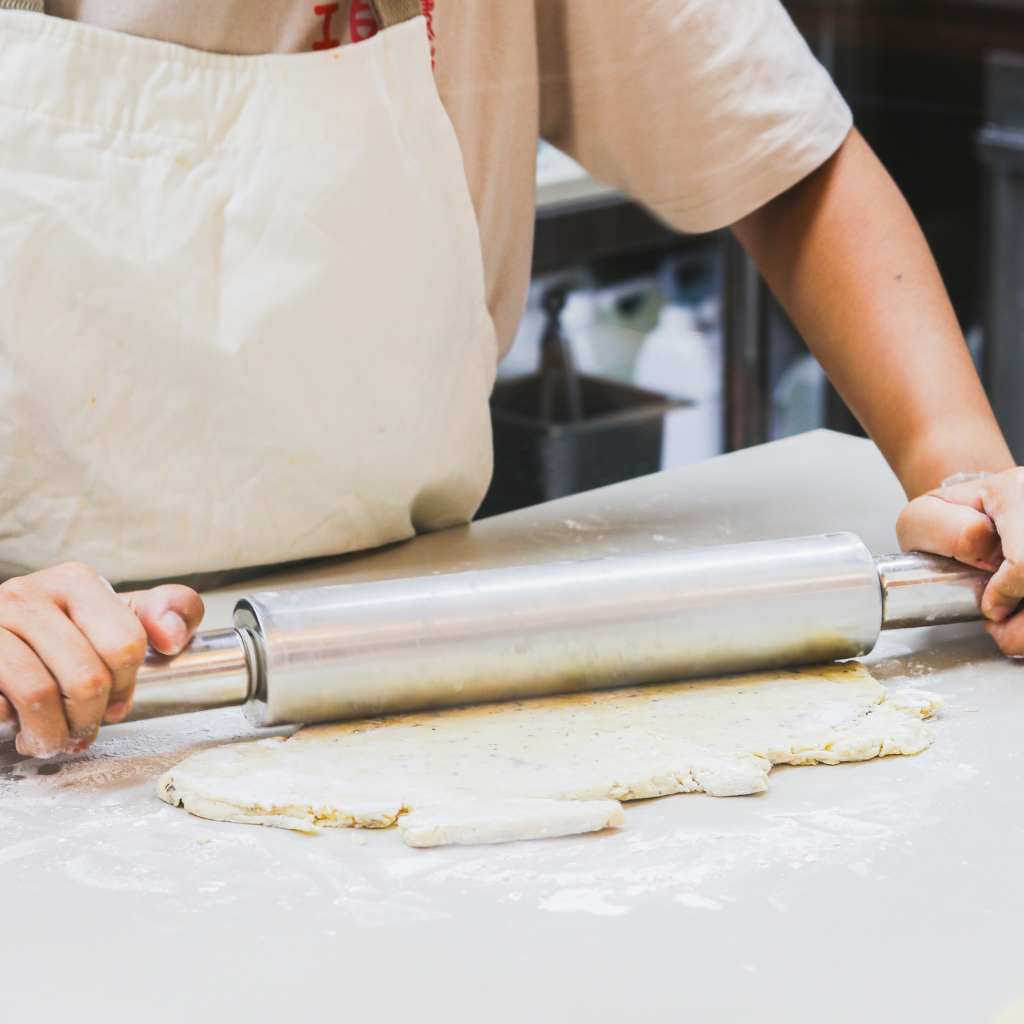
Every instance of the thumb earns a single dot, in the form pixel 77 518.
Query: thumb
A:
pixel 170 614
pixel 943 527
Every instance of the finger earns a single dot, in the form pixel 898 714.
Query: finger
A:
pixel 170 615
pixel 35 696
pixel 1003 500
pixel 83 678
pixel 1008 635
pixel 931 523
pixel 8 720
pixel 108 625
pixel 1004 591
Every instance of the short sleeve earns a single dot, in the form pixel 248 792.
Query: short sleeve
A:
pixel 703 110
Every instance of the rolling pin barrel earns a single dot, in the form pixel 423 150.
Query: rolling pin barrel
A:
pixel 388 646
pixel 499 634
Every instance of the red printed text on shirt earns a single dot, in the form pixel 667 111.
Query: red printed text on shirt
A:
pixel 327 13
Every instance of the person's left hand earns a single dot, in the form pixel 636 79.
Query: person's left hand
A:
pixel 981 523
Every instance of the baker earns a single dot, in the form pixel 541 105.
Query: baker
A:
pixel 258 264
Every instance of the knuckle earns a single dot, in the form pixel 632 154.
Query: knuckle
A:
pixel 991 488
pixel 89 686
pixel 36 695
pixel 1003 490
pixel 19 590
pixel 76 571
pixel 126 655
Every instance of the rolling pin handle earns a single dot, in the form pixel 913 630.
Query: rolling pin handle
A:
pixel 214 671
pixel 926 590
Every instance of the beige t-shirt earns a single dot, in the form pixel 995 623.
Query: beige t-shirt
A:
pixel 701 109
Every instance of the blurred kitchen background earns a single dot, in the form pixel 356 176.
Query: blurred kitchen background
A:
pixel 642 349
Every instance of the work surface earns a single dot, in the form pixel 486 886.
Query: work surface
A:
pixel 887 890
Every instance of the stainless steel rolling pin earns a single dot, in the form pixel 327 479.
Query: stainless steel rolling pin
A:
pixel 367 649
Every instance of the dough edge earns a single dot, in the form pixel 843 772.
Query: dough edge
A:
pixel 893 725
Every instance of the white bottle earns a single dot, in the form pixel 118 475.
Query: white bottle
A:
pixel 607 327
pixel 681 361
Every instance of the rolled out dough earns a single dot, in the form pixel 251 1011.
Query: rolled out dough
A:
pixel 555 766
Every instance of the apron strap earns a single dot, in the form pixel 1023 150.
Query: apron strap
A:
pixel 389 12
pixel 22 5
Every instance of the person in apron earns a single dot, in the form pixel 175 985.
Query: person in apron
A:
pixel 252 302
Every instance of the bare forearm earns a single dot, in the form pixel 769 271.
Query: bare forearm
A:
pixel 846 258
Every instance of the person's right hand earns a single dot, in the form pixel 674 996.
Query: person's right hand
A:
pixel 980 522
pixel 70 649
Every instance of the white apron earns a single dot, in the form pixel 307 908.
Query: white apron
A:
pixel 242 311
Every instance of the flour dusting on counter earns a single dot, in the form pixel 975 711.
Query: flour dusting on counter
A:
pixel 97 824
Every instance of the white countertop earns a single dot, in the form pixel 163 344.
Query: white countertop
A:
pixel 887 890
